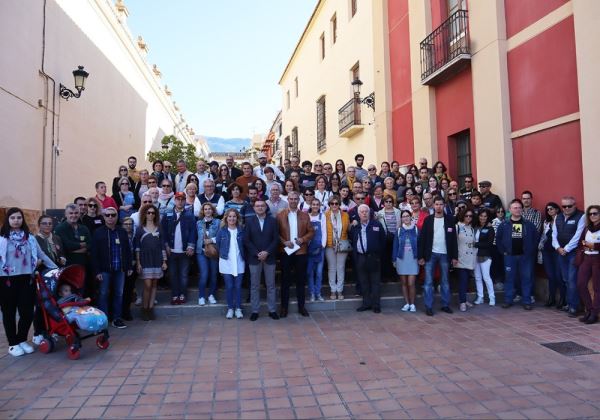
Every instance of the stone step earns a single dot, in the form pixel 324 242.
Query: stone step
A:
pixel 350 303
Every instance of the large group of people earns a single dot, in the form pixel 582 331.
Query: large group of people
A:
pixel 417 224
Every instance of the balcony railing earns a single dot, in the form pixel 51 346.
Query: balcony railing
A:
pixel 446 50
pixel 349 118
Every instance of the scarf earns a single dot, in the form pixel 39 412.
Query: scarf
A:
pixel 18 240
pixel 165 196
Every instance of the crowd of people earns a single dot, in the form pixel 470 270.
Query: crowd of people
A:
pixel 416 224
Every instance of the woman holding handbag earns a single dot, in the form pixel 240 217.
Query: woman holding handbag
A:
pixel 337 246
pixel 206 253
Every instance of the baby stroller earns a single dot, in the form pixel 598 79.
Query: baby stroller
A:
pixel 55 320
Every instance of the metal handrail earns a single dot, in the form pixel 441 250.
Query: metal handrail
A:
pixel 445 43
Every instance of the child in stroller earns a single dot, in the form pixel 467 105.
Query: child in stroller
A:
pixel 70 313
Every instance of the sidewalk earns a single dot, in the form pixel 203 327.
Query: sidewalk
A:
pixel 485 363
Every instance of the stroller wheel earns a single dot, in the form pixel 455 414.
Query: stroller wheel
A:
pixel 46 346
pixel 73 353
pixel 102 343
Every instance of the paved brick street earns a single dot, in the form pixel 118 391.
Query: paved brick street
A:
pixel 483 364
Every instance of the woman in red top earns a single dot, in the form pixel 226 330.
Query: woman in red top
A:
pixel 418 213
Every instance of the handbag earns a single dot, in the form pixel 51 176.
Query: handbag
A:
pixel 210 250
pixel 343 245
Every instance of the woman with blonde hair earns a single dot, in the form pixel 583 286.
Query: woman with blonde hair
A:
pixel 93 219
pixel 230 243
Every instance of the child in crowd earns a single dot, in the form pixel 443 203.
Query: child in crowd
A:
pixel 86 317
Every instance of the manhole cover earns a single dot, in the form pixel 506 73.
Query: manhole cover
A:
pixel 569 348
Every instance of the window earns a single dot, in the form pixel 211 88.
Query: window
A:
pixel 295 150
pixel 296 86
pixel 353 6
pixel 455 5
pixel 463 156
pixel 287 99
pixel 288 148
pixel 322 44
pixel 334 28
pixel 321 125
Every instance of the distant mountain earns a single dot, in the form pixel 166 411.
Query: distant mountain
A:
pixel 220 144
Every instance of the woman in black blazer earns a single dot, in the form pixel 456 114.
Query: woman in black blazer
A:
pixel 484 242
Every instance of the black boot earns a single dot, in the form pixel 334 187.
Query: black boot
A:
pixel 585 317
pixel 550 302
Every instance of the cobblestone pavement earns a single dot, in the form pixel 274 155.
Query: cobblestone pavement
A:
pixel 485 363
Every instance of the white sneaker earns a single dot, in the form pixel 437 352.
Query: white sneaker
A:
pixel 413 308
pixel 532 300
pixel 156 301
pixel 320 298
pixel 492 302
pixel 201 302
pixel 499 287
pixel 406 308
pixel 211 299
pixel 478 301
pixel 138 301
pixel 312 298
pixel 517 298
pixel 463 307
pixel 16 351
pixel 229 314
pixel 37 339
pixel 238 313
pixel 27 348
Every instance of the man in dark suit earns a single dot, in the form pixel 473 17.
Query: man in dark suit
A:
pixel 437 245
pixel 234 172
pixel 261 240
pixel 295 231
pixel 168 171
pixel 368 241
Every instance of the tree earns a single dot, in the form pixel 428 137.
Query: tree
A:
pixel 176 149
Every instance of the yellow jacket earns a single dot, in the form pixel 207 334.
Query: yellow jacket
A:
pixel 345 224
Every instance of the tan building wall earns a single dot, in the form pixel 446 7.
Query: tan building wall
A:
pixel 360 39
pixel 123 111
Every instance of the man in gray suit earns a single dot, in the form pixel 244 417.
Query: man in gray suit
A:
pixel 261 240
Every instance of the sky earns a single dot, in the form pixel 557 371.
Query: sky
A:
pixel 222 59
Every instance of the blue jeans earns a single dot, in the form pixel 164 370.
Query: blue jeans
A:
pixel 208 271
pixel 114 280
pixel 179 268
pixel 314 272
pixel 550 258
pixel 568 274
pixel 233 286
pixel 442 260
pixel 518 265
pixel 463 281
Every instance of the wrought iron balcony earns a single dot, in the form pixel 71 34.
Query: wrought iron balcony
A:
pixel 349 118
pixel 446 50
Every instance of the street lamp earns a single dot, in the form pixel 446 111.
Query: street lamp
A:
pixel 369 100
pixel 80 76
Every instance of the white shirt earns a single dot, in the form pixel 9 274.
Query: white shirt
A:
pixel 259 172
pixel 261 222
pixel 220 204
pixel 323 197
pixel 593 237
pixel 201 178
pixel 177 243
pixel 439 236
pixel 293 222
pixel 180 181
pixel 234 264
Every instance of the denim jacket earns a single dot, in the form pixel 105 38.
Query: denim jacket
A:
pixel 399 240
pixel 222 242
pixel 213 228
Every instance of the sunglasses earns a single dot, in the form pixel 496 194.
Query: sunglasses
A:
pixel 151 212
pixel 568 206
pixel 92 206
pixel 123 170
pixel 110 215
pixel 166 186
pixel 388 201
pixel 146 202
pixel 308 195
pixel 593 213
pixel 371 169
pixel 318 166
pixel 451 193
pixel 359 198
pixel 468 215
pixel 551 208
pixel 334 204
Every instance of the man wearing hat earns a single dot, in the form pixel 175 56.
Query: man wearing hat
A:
pixel 489 199
pixel 179 227
pixel 259 171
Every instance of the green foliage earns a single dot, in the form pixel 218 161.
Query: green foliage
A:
pixel 177 150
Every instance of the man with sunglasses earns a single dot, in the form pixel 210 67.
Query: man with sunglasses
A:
pixel 488 198
pixel 468 189
pixel 165 198
pixel 111 262
pixel 566 232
